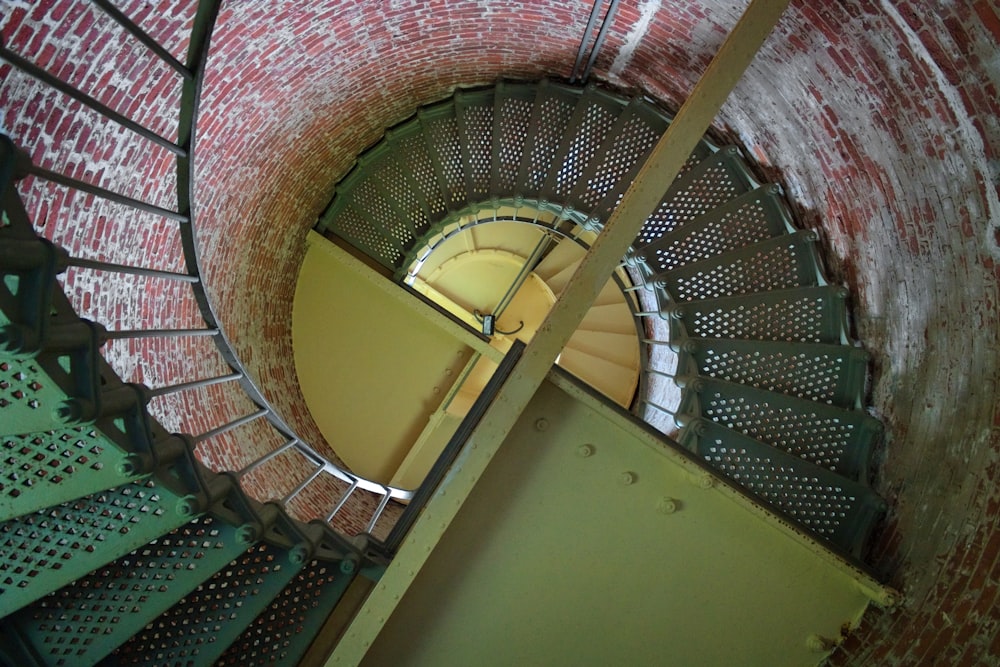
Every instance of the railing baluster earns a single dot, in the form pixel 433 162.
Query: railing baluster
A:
pixel 378 511
pixel 37 72
pixel 306 482
pixel 193 384
pixel 267 457
pixel 143 37
pixel 343 500
pixel 158 333
pixel 104 193
pixel 672 413
pixel 230 426
pixel 132 270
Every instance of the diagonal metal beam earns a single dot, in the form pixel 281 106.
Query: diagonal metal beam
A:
pixel 640 201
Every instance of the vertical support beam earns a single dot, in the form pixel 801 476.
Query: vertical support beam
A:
pixel 639 202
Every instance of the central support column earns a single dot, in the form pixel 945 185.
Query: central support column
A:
pixel 640 201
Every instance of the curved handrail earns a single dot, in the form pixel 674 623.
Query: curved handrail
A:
pixel 192 73
pixel 198 49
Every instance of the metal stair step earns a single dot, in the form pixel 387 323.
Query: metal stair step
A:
pixel 750 218
pixel 119 599
pixel 474 115
pixel 200 627
pixel 800 315
pixel 838 510
pixel 44 551
pixel 550 118
pixel 439 124
pixel 826 435
pixel 781 262
pixel 513 105
pixel 832 374
pixel 711 183
pixel 592 120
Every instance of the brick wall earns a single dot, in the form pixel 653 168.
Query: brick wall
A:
pixel 879 119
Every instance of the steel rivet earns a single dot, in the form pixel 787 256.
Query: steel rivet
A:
pixel 583 451
pixel 667 505
pixel 542 424
pixel 627 478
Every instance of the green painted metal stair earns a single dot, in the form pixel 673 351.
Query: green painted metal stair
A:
pixel 116 545
pixel 770 383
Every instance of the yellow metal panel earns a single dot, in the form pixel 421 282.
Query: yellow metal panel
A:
pixel 371 372
pixel 583 544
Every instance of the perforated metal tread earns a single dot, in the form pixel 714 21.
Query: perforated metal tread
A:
pixel 197 630
pixel 837 439
pixel 84 621
pixel 832 374
pixel 800 315
pixel 750 218
pixel 836 509
pixel 781 262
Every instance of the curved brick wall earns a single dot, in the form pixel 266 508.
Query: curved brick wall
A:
pixel 880 119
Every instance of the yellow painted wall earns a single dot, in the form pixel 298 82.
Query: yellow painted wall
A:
pixel 372 372
pixel 570 556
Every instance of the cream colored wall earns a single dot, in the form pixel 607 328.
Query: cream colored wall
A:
pixel 371 372
pixel 586 542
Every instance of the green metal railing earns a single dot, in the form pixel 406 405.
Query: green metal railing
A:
pixel 191 74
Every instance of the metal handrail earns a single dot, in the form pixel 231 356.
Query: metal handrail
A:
pixel 192 73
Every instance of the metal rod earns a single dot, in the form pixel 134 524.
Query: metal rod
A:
pixel 133 270
pixel 378 512
pixel 159 333
pixel 591 22
pixel 659 407
pixel 600 40
pixel 193 384
pixel 105 194
pixel 231 425
pixel 143 37
pixel 33 70
pixel 342 501
pixel 306 482
pixel 267 457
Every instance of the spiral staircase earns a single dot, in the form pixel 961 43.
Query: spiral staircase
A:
pixel 771 384
pixel 120 547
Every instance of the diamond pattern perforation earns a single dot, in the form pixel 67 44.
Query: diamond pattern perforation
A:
pixel 379 213
pixel 634 141
pixel 27 396
pixel 353 227
pixel 791 319
pixel 818 438
pixel 820 506
pixel 412 153
pixel 712 188
pixel 477 136
pixel 55 465
pixel 732 231
pixel 811 376
pixel 594 126
pixel 37 545
pixel 763 271
pixel 515 114
pixel 444 137
pixel 393 182
pixel 73 622
pixel 188 632
pixel 552 121
pixel 281 634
